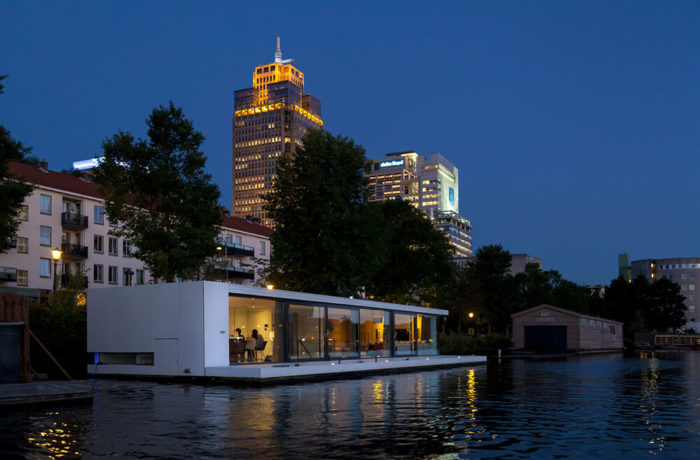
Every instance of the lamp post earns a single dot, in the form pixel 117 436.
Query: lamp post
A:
pixel 56 256
pixel 472 329
pixel 225 260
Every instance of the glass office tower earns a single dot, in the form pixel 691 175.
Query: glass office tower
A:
pixel 269 120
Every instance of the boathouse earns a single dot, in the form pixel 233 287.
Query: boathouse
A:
pixel 210 329
pixel 550 329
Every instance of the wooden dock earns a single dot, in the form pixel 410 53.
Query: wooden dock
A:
pixel 16 394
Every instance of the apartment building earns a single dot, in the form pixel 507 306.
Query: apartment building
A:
pixel 67 213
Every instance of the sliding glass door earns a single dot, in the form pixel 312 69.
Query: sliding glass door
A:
pixel 306 332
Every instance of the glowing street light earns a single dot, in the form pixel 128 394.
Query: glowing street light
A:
pixel 56 256
pixel 270 287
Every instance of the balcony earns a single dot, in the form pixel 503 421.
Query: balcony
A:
pixel 236 249
pixel 74 251
pixel 8 274
pixel 74 221
pixel 229 272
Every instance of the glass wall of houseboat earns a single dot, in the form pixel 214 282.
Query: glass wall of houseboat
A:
pixel 404 334
pixel 306 338
pixel 342 326
pixel 374 333
pixel 426 334
pixel 255 313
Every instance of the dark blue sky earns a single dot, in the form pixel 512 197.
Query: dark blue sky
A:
pixel 574 125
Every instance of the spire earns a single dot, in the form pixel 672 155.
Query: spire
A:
pixel 278 53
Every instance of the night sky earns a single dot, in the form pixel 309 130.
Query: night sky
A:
pixel 574 125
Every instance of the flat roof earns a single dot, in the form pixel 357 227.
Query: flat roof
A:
pixel 327 299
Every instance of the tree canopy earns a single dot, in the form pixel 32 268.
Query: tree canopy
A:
pixel 12 191
pixel 328 239
pixel 157 189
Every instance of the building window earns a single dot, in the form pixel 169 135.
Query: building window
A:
pixel 98 273
pixel 22 276
pixel 113 222
pixel 612 328
pixel 238 240
pixel 98 244
pixel 113 275
pixel 684 276
pixel 99 217
pixel 23 213
pixel 45 236
pixel 140 278
pixel 229 239
pixel 127 273
pixel 126 248
pixel 691 276
pixel 22 245
pixel 44 268
pixel 45 204
pixel 113 246
pixel 262 248
pixel 691 287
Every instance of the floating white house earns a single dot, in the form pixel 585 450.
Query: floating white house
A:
pixel 189 329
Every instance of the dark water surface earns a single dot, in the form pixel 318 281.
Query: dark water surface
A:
pixel 600 407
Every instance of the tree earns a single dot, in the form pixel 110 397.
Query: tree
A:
pixel 321 243
pixel 12 191
pixel 666 307
pixel 415 255
pixel 157 188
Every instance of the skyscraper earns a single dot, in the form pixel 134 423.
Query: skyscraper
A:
pixel 269 121
pixel 430 184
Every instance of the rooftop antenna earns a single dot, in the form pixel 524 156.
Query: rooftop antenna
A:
pixel 278 53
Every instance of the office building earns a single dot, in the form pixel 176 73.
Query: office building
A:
pixel 430 184
pixel 518 262
pixel 684 271
pixel 66 212
pixel 270 119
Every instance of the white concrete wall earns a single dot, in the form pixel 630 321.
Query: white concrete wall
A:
pixel 183 324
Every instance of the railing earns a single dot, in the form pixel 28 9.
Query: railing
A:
pixel 74 250
pixel 229 271
pixel 8 274
pixel 238 249
pixel 69 219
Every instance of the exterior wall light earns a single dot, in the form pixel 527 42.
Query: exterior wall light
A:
pixel 270 287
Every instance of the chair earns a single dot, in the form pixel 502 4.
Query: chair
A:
pixel 261 349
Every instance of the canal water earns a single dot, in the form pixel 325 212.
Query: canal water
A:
pixel 602 406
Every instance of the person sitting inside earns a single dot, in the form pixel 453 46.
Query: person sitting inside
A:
pixel 254 343
pixel 238 335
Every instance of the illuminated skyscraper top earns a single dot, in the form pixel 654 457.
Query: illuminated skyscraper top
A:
pixel 270 119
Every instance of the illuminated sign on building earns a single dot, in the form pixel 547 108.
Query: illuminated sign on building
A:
pixel 82 165
pixel 452 197
pixel 391 163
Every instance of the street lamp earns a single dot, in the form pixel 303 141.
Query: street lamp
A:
pixel 56 256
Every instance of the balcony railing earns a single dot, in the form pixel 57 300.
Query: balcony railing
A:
pixel 236 249
pixel 8 274
pixel 73 220
pixel 74 250
pixel 231 272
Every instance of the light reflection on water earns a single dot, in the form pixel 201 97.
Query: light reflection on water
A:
pixel 601 406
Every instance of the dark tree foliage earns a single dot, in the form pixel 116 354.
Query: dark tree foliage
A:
pixel 416 256
pixel 157 188
pixel 667 308
pixel 320 242
pixel 12 191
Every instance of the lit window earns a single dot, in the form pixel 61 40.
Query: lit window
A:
pixel 23 213
pixel 45 204
pixel 45 235
pixel 691 287
pixel 262 248
pixel 22 245
pixel 22 276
